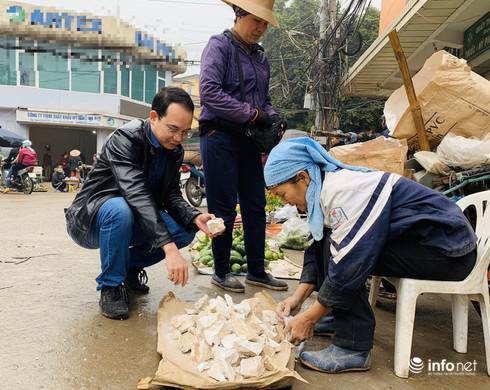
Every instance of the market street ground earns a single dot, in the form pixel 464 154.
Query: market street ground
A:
pixel 53 337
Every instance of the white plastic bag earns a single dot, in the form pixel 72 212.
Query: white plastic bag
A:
pixel 467 153
pixel 295 234
pixel 286 212
pixel 432 163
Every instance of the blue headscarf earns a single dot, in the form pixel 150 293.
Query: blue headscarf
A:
pixel 304 154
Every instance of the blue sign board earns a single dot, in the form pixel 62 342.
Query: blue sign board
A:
pixel 155 45
pixel 57 20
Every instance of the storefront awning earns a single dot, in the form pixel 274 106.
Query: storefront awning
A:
pixel 424 27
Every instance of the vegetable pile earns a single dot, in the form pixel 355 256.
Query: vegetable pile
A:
pixel 238 256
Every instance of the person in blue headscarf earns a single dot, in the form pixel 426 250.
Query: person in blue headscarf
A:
pixel 363 222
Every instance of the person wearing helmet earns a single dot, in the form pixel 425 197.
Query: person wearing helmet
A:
pixel 234 92
pixel 27 157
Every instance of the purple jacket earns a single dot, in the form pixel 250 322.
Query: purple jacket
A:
pixel 219 83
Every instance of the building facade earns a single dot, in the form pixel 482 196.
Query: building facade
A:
pixel 190 84
pixel 69 79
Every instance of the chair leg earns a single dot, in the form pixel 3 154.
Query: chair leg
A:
pixel 460 322
pixel 485 318
pixel 405 318
pixel 373 290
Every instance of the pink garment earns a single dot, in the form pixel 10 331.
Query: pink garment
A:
pixel 27 156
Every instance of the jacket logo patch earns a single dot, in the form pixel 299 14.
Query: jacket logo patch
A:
pixel 336 217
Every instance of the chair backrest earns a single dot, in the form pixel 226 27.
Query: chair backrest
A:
pixel 481 202
pixel 37 170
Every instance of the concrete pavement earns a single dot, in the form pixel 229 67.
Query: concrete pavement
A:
pixel 53 337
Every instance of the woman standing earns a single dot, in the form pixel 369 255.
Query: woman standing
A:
pixel 234 91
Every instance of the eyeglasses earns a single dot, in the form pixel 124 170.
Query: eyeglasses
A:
pixel 186 134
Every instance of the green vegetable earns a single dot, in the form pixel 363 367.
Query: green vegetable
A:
pixel 211 264
pixel 205 259
pixel 236 268
pixel 245 267
pixel 203 238
pixel 268 254
pixel 295 241
pixel 236 260
pixel 237 254
pixel 241 249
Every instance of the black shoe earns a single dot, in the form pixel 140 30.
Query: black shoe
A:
pixel 136 280
pixel 228 283
pixel 114 302
pixel 267 281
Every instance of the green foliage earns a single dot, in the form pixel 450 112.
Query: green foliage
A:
pixel 285 48
pixel 359 113
pixel 369 30
pixel 291 51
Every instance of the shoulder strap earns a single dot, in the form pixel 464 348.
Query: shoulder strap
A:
pixel 240 73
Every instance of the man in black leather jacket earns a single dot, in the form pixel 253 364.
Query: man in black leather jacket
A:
pixel 131 206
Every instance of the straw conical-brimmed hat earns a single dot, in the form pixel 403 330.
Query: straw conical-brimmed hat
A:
pixel 75 153
pixel 260 8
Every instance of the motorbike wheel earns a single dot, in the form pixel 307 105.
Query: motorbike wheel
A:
pixel 28 185
pixel 193 191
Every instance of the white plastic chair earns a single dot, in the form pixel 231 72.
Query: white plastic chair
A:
pixel 474 287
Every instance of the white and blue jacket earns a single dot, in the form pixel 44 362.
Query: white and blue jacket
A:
pixel 365 210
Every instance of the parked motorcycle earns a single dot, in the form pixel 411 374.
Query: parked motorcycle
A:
pixel 22 183
pixel 192 182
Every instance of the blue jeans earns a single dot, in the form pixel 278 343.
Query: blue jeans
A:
pixel 122 242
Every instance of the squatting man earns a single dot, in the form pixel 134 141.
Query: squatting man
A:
pixel 131 207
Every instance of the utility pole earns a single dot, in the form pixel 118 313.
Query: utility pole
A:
pixel 324 120
pixel 320 91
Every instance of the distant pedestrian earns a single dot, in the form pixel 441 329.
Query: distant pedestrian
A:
pixel 47 162
pixel 63 161
pixel 74 163
pixel 58 179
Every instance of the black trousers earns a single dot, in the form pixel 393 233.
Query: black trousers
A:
pixel 232 169
pixel 404 258
pixel 16 168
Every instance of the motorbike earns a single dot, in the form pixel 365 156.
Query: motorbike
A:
pixel 22 183
pixel 192 182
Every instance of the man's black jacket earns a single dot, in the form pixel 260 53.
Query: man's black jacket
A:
pixel 122 170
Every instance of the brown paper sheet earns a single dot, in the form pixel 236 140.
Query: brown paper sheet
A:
pixel 383 154
pixel 177 369
pixel 453 99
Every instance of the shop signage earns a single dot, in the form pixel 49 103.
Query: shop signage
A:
pixel 477 38
pixel 154 45
pixel 57 20
pixel 68 119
